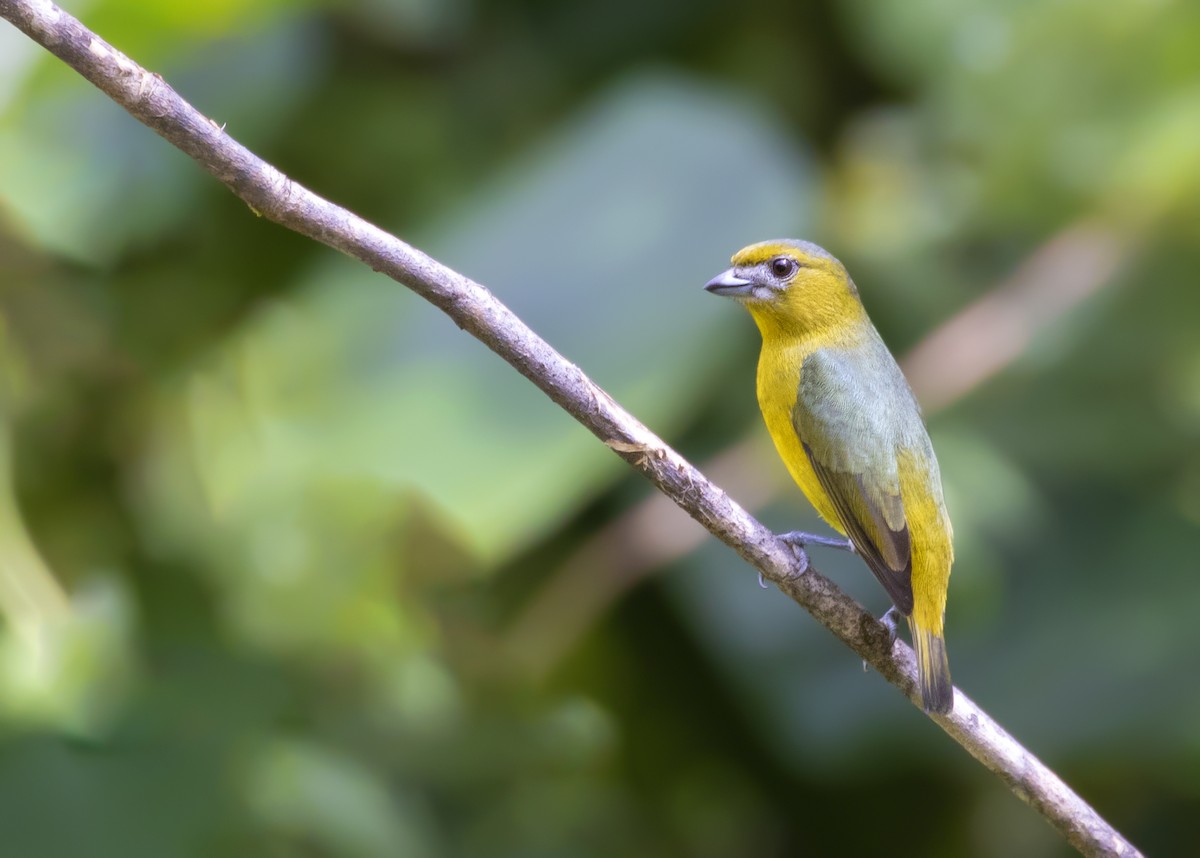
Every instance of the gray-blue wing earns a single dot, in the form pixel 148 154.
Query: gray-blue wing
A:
pixel 850 423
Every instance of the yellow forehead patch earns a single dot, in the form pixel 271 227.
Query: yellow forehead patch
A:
pixel 804 252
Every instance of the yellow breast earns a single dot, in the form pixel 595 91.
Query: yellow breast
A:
pixel 778 386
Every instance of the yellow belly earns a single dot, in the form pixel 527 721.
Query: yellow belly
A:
pixel 779 369
pixel 778 386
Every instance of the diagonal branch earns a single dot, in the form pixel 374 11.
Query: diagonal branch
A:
pixel 273 195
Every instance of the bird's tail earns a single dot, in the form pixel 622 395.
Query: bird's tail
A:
pixel 933 669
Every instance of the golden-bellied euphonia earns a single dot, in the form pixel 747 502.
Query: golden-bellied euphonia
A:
pixel 849 429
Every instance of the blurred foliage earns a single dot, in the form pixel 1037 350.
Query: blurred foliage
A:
pixel 265 518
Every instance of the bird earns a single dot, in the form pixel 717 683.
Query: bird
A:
pixel 849 429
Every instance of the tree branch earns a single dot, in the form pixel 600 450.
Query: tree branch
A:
pixel 273 195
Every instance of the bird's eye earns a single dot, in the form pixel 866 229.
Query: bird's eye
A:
pixel 783 267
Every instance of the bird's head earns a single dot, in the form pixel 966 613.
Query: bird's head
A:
pixel 790 287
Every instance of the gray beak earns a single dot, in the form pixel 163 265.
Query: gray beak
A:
pixel 728 283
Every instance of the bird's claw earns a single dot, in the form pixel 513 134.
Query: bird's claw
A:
pixel 797 540
pixel 890 621
pixel 800 538
pixel 800 554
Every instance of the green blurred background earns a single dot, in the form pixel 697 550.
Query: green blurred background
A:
pixel 290 566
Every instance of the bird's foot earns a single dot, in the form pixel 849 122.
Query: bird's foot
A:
pixel 800 538
pixel 891 622
pixel 797 548
pixel 797 541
